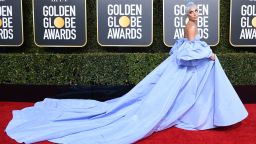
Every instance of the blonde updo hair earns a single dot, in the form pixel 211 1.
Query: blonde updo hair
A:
pixel 188 6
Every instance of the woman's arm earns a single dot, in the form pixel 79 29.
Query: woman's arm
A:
pixel 213 56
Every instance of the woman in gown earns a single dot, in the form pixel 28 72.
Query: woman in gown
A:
pixel 188 90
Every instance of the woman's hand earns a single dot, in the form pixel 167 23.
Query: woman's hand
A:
pixel 213 56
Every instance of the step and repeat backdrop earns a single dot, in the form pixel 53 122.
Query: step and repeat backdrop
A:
pixel 243 23
pixel 175 19
pixel 125 22
pixel 60 23
pixel 11 23
pixel 128 23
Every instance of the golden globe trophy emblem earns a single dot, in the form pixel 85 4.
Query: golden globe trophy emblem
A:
pixel 59 22
pixel 254 22
pixel 124 21
pixel 1 22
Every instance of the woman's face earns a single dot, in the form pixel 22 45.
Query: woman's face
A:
pixel 193 13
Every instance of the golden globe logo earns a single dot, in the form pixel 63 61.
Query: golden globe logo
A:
pixel 124 21
pixel 6 22
pixel 175 20
pixel 248 22
pixel 59 22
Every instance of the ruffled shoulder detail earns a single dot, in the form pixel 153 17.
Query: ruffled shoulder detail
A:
pixel 180 41
pixel 186 52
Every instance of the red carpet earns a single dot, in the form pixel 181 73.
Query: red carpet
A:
pixel 241 133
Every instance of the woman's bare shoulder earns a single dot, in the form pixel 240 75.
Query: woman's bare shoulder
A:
pixel 190 31
pixel 190 26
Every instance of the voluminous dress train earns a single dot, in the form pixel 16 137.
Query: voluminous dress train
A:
pixel 187 90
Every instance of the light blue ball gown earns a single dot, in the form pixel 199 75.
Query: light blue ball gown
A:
pixel 187 90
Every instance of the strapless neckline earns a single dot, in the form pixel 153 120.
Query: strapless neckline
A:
pixel 197 37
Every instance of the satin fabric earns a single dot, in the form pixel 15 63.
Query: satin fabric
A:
pixel 187 90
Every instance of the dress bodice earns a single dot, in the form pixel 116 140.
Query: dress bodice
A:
pixel 197 37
